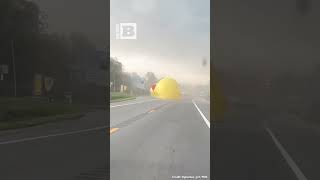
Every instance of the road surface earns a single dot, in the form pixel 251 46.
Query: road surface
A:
pixel 156 139
pixel 66 150
pixel 255 144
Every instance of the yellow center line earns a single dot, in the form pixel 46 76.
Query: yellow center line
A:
pixel 112 130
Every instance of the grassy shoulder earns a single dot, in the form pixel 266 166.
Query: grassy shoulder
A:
pixel 25 112
pixel 23 123
pixel 118 96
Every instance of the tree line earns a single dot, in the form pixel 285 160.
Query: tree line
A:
pixel 134 83
pixel 24 36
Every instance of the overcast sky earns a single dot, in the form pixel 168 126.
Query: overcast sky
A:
pixel 173 36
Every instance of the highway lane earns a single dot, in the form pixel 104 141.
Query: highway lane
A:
pixel 301 141
pixel 256 144
pixel 120 112
pixel 73 149
pixel 138 99
pixel 160 140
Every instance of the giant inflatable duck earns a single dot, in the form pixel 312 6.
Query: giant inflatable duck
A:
pixel 166 88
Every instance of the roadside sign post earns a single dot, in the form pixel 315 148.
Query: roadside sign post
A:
pixel 3 70
pixel 14 69
pixel 68 97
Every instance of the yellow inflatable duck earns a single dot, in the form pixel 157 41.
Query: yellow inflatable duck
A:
pixel 166 88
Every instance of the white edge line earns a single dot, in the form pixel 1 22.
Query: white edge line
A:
pixel 52 135
pixel 132 103
pixel 287 157
pixel 203 117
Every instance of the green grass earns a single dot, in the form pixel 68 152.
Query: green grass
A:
pixel 28 111
pixel 124 99
pixel 118 96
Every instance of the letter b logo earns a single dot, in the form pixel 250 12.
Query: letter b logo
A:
pixel 126 31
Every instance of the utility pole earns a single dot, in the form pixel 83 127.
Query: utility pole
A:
pixel 14 69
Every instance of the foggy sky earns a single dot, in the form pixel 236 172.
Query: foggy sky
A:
pixel 173 37
pixel 85 16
